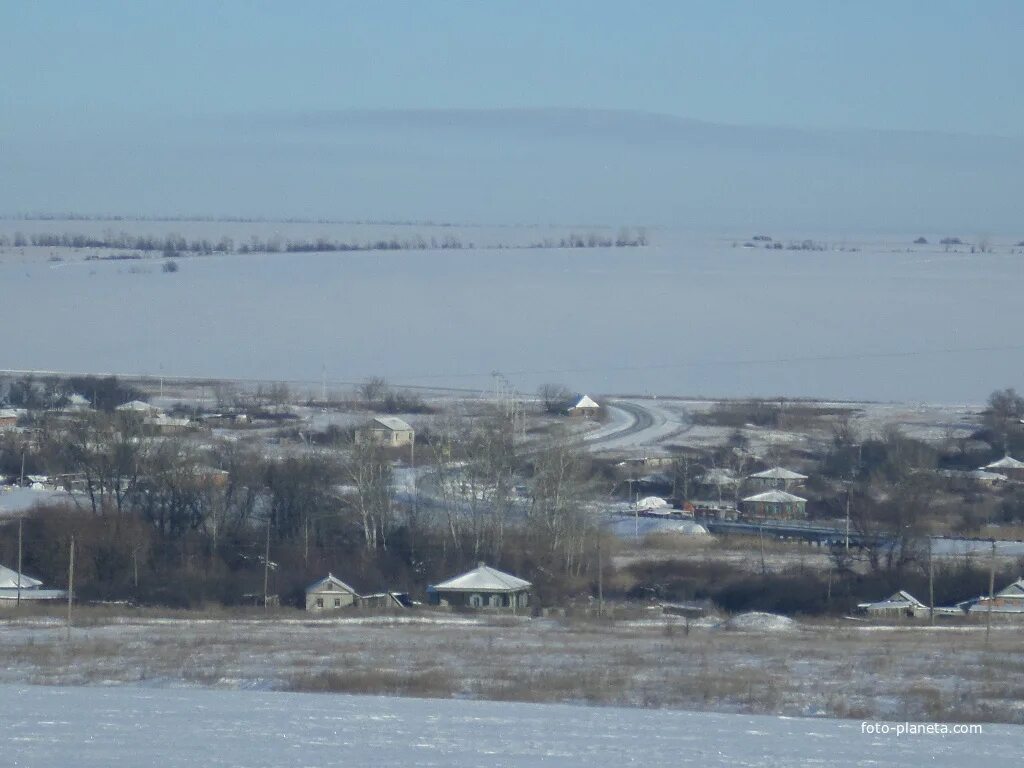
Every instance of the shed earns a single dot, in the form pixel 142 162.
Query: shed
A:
pixel 389 431
pixel 8 418
pixel 584 406
pixel 776 504
pixel 483 587
pixel 329 594
pixel 899 604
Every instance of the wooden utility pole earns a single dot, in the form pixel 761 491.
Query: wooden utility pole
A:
pixel 266 568
pixel 21 521
pixel 931 583
pixel 991 592
pixel 71 582
pixel 600 579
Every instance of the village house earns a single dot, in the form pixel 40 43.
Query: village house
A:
pixel 1006 603
pixel 899 605
pixel 16 586
pixel 8 418
pixel 482 588
pixel 1008 466
pixel 584 406
pixel 389 431
pixel 778 505
pixel 329 594
pixel 778 478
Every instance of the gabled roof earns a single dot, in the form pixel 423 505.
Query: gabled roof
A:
pixel 898 599
pixel 585 401
pixel 483 578
pixel 779 473
pixel 333 580
pixel 777 497
pixel 9 580
pixel 1007 462
pixel 8 413
pixel 1014 590
pixel 393 423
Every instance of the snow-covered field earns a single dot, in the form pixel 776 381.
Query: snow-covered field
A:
pixel 687 315
pixel 754 664
pixel 47 727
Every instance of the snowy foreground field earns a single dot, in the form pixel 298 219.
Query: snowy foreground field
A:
pixel 749 664
pixel 100 727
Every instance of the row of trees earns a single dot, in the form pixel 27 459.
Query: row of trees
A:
pixel 171 245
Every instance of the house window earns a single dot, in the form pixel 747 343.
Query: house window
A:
pixel 475 601
pixel 319 602
pixel 337 602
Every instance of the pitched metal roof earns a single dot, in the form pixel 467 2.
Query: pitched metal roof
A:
pixel 779 473
pixel 330 579
pixel 483 578
pixel 585 401
pixel 777 497
pixel 1007 462
pixel 9 580
pixel 393 423
pixel 900 599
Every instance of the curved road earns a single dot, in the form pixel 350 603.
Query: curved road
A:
pixel 635 424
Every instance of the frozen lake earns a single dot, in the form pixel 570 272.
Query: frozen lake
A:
pixel 103 727
pixel 684 316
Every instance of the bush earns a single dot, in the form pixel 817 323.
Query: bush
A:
pixel 170 266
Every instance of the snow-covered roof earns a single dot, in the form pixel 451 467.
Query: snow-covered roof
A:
pixel 779 473
pixel 1007 462
pixel 651 502
pixel 138 406
pixel 778 497
pixel 9 580
pixel 393 423
pixel 483 578
pixel 900 599
pixel 333 580
pixel 718 476
pixel 586 401
pixel 8 413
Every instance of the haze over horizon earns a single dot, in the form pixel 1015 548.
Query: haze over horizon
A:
pixel 826 118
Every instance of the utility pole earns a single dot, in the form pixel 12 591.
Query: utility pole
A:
pixel 991 592
pixel 17 602
pixel 849 491
pixel 21 482
pixel 266 568
pixel 931 583
pixel 600 579
pixel 71 582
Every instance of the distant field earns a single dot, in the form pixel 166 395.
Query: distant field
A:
pixel 688 315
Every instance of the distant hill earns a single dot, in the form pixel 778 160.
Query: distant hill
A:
pixel 559 166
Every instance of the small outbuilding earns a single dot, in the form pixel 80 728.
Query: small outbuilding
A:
pixel 329 594
pixel 389 431
pixel 8 418
pixel 779 505
pixel 482 588
pixel 584 406
pixel 898 605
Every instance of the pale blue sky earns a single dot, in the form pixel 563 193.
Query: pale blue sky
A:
pixel 928 65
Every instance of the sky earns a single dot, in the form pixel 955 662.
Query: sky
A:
pixel 810 116
pixel 926 65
